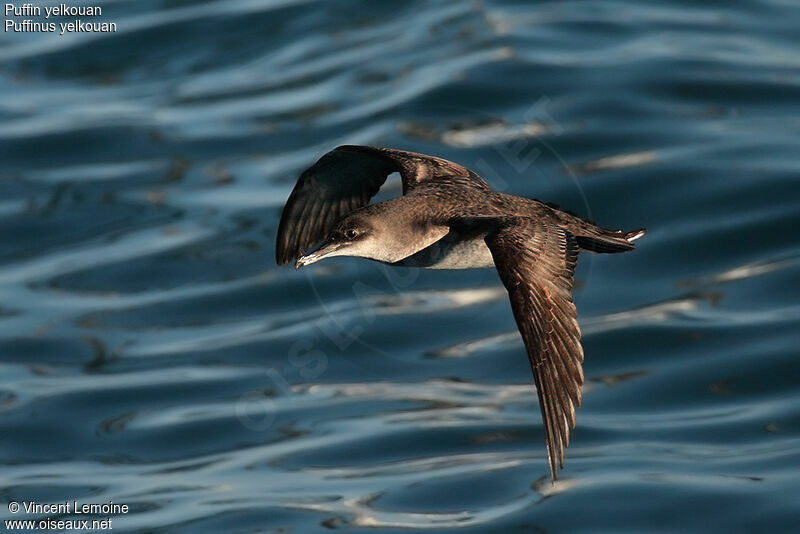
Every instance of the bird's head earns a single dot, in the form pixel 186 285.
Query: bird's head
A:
pixel 385 232
pixel 354 235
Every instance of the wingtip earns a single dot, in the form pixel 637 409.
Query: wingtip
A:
pixel 285 254
pixel 553 466
pixel 282 257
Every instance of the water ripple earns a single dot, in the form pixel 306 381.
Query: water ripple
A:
pixel 152 353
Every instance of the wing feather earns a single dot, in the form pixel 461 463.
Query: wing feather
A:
pixel 536 262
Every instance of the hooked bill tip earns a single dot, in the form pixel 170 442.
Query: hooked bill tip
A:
pixel 301 260
pixel 306 260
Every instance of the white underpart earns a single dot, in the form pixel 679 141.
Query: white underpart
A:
pixel 452 254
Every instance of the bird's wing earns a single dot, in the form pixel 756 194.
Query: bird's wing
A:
pixel 345 179
pixel 536 262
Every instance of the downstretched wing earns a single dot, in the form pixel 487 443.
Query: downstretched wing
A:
pixel 536 262
pixel 345 179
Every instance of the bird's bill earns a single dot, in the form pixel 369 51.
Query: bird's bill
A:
pixel 325 250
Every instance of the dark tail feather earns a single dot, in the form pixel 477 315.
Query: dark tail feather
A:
pixel 608 242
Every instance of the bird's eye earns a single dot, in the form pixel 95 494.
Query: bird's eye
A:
pixel 350 233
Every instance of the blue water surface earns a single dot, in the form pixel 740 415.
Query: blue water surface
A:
pixel 152 354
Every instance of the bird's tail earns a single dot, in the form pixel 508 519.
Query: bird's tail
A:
pixel 596 239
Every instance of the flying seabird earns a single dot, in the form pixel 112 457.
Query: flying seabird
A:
pixel 449 218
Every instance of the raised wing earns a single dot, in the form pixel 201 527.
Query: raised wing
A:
pixel 536 262
pixel 345 179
